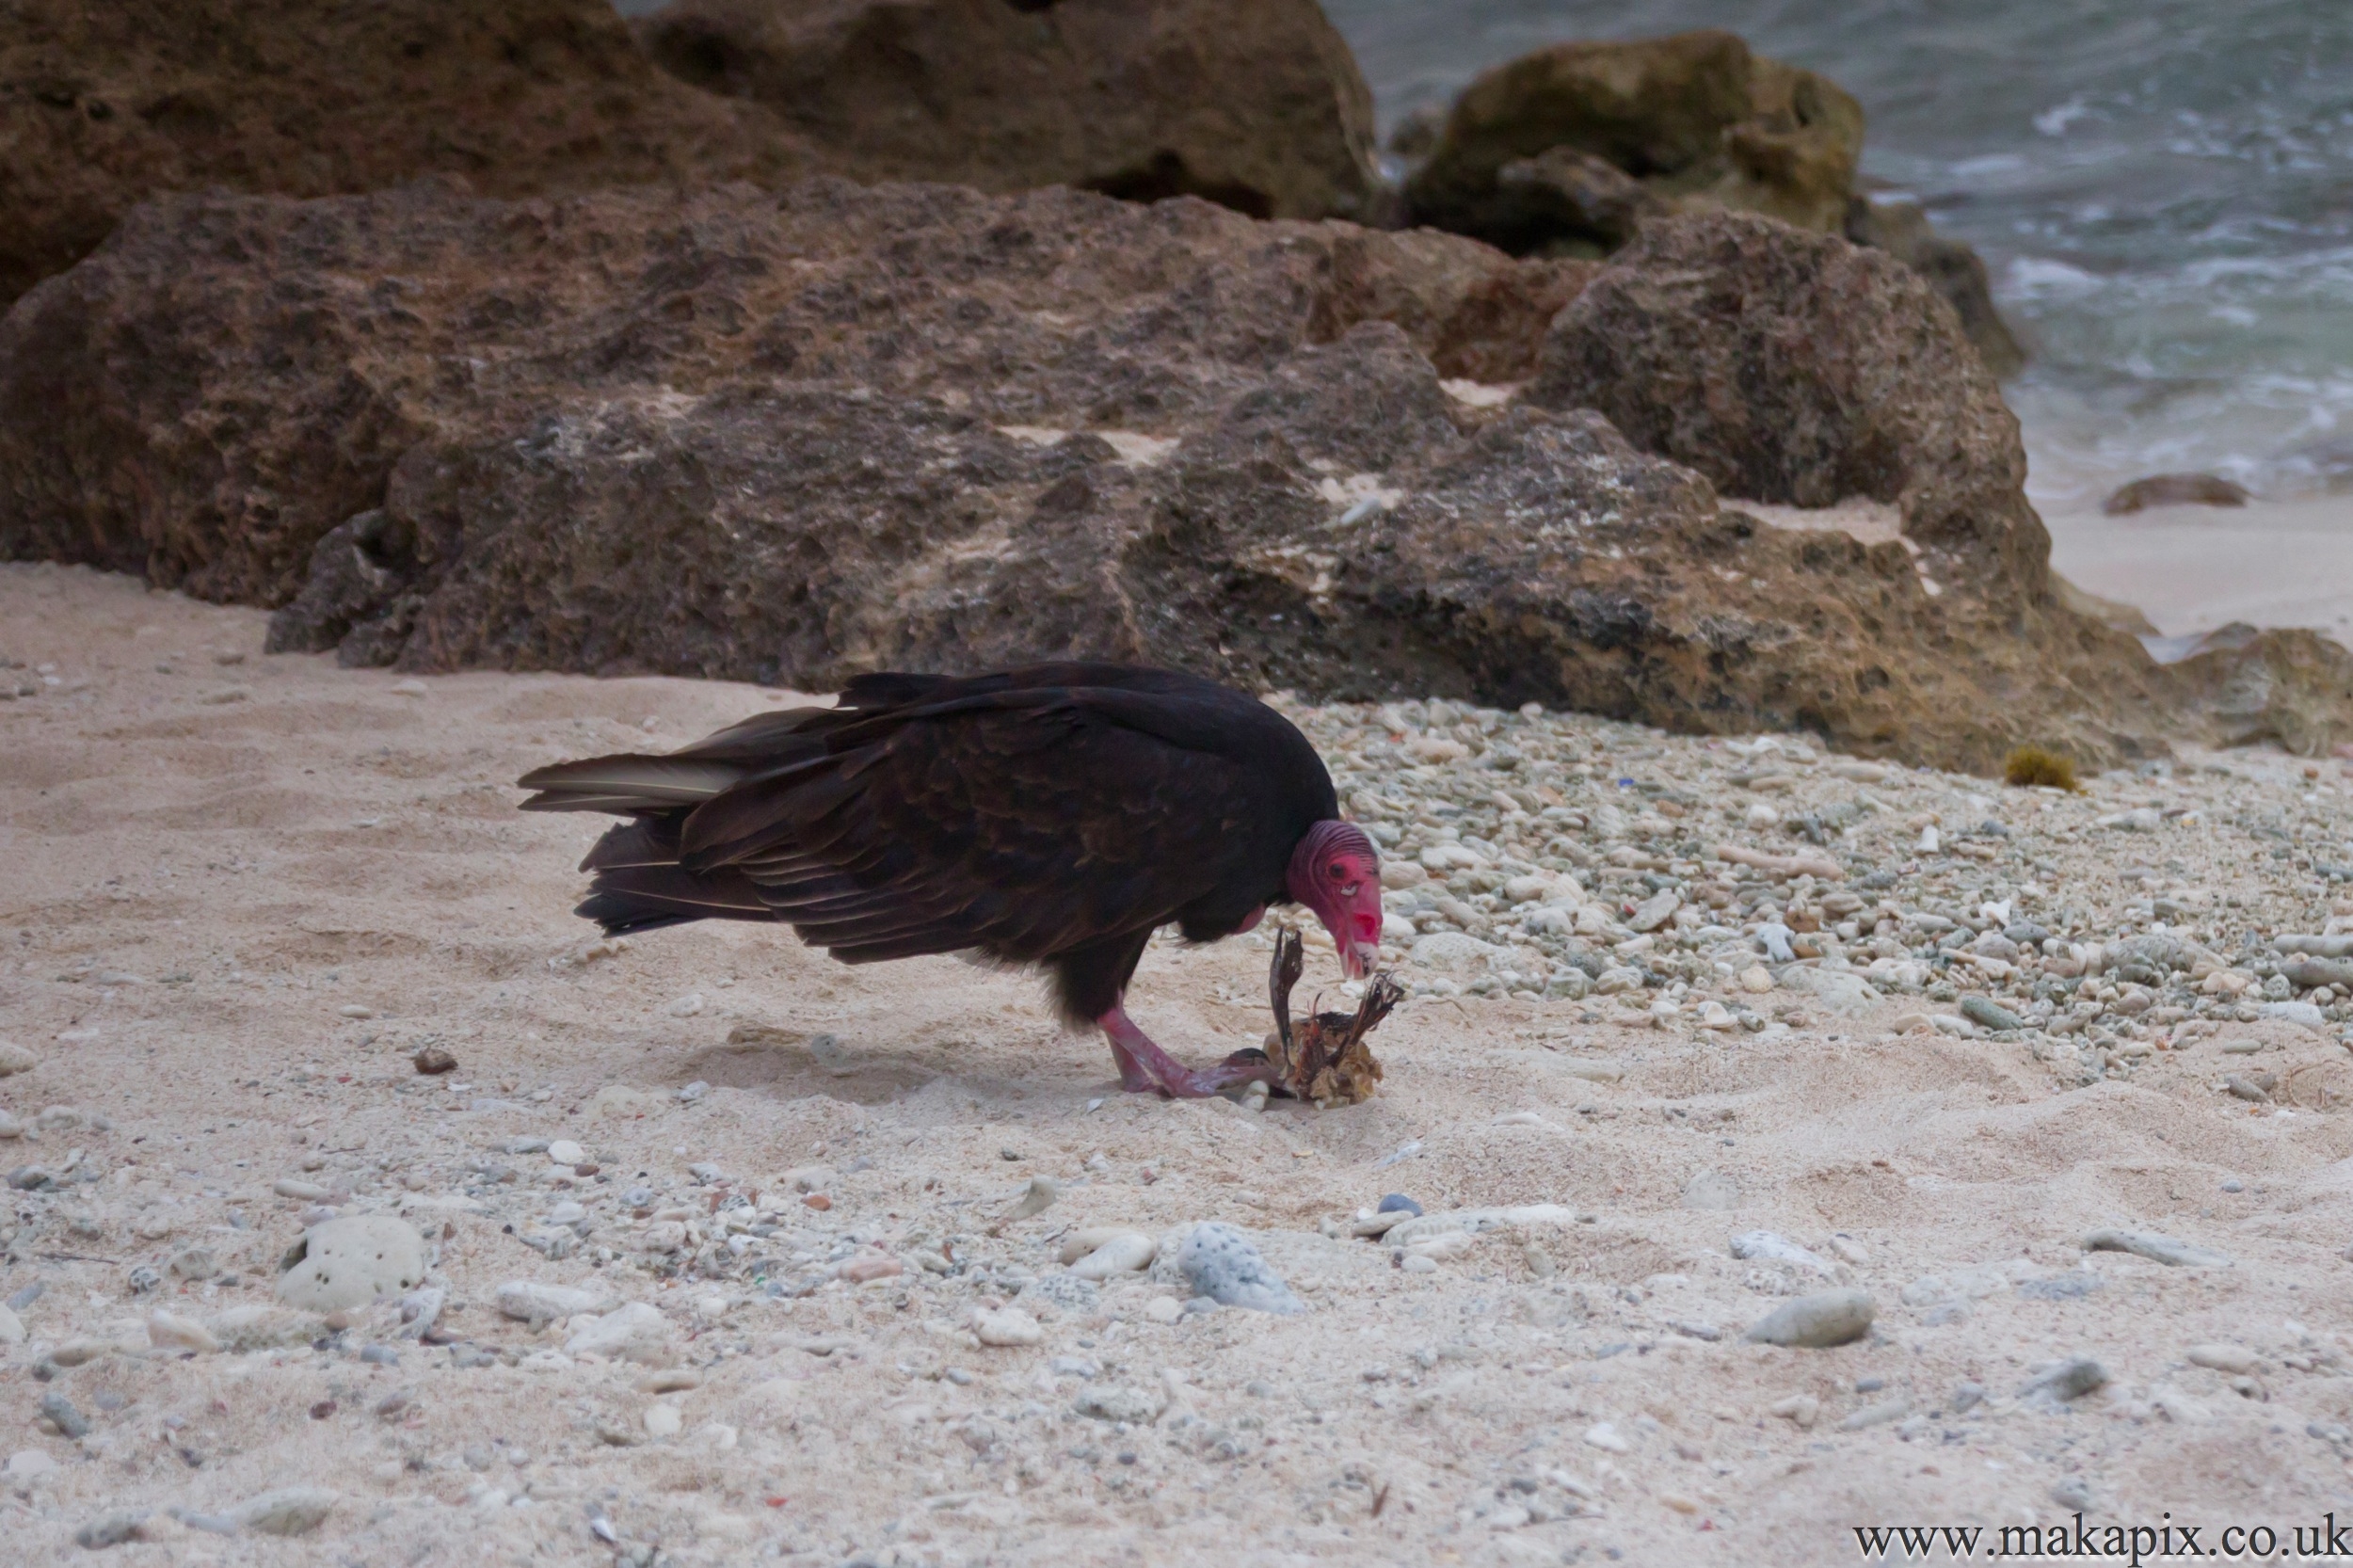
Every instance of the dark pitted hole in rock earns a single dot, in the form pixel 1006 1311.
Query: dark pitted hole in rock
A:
pixel 1165 174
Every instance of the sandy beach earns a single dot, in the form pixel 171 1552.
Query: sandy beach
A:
pixel 2193 568
pixel 242 891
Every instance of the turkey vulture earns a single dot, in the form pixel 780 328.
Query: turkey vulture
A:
pixel 1056 815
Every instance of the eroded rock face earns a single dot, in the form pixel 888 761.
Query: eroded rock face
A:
pixel 1797 368
pixel 105 104
pixel 792 437
pixel 1693 119
pixel 1575 148
pixel 1255 105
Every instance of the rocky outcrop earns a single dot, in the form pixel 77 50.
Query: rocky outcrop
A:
pixel 105 104
pixel 252 368
pixel 1255 105
pixel 1694 120
pixel 791 437
pixel 1952 268
pixel 1571 149
pixel 1796 368
pixel 2240 685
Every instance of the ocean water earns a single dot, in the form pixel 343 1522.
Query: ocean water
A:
pixel 2162 189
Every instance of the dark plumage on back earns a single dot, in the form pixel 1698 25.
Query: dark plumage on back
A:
pixel 1055 814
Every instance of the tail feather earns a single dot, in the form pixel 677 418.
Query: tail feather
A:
pixel 628 785
pixel 640 898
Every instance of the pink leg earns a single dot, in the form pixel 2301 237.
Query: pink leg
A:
pixel 1144 1066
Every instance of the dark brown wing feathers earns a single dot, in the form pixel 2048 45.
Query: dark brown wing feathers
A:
pixel 1054 815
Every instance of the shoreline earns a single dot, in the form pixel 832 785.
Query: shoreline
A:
pixel 2192 569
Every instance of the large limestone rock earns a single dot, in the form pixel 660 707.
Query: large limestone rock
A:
pixel 1797 368
pixel 1256 105
pixel 1575 148
pixel 252 369
pixel 792 437
pixel 105 102
pixel 1695 118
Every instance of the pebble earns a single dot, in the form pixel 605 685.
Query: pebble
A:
pixel 1397 1203
pixel 636 1331
pixel 1125 1251
pixel 2223 1357
pixel 1765 1245
pixel 1804 1409
pixel 352 1261
pixel 288 1510
pixel 563 1151
pixel 1036 1199
pixel 2071 1378
pixel 2160 1249
pixel 12 1327
pixel 1601 1435
pixel 1817 1321
pixel 111 1530
pixel 1876 1415
pixel 664 1418
pixel 16 1059
pixel 2072 1492
pixel 61 1415
pixel 309 1191
pixel 171 1330
pixel 1989 1013
pixel 1223 1264
pixel 1006 1328
pixel 433 1062
pixel 1164 1309
pixel 30 1464
pixel 1113 1403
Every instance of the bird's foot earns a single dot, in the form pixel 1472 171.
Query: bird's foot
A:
pixel 1143 1067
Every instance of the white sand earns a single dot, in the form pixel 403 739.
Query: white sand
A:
pixel 268 843
pixel 2193 568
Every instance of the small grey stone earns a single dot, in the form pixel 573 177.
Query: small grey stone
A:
pixel 1397 1203
pixel 64 1417
pixel 2071 1378
pixel 1967 1397
pixel 1221 1263
pixel 380 1355
pixel 112 1530
pixel 1065 1292
pixel 1876 1415
pixel 2161 1249
pixel 1817 1321
pixel 1132 1405
pixel 1985 1011
pixel 2072 1492
pixel 2072 1286
pixel 288 1511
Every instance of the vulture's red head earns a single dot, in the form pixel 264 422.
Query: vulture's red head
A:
pixel 1335 871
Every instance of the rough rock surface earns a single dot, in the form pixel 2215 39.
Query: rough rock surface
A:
pixel 788 437
pixel 1574 148
pixel 1256 105
pixel 1694 117
pixel 1797 368
pixel 102 105
pixel 1954 270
